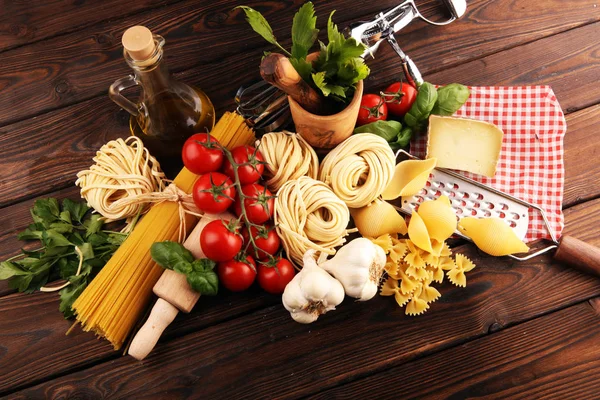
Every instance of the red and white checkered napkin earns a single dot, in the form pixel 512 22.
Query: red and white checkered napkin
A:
pixel 531 162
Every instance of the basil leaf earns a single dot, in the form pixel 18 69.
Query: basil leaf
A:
pixel 202 278
pixel 388 130
pixel 450 98
pixel 403 139
pixel 170 254
pixel 304 32
pixel 418 114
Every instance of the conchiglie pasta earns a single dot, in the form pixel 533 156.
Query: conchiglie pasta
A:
pixel 491 235
pixel 417 232
pixel 410 176
pixel 439 218
pixel 378 218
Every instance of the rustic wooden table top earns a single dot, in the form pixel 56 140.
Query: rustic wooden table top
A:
pixel 528 329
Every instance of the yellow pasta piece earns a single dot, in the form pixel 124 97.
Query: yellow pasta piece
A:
pixel 410 176
pixel 439 218
pixel 418 234
pixel 491 235
pixel 457 274
pixel 378 218
pixel 398 250
pixel 416 305
pixel 429 293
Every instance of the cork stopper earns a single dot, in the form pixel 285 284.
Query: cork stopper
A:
pixel 138 42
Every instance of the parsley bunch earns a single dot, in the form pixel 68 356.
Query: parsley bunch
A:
pixel 64 231
pixel 339 65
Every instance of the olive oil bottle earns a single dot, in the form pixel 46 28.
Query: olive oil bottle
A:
pixel 168 111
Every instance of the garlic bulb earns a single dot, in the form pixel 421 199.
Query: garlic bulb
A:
pixel 358 266
pixel 312 292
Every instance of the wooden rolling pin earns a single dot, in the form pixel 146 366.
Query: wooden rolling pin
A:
pixel 174 295
pixel 279 72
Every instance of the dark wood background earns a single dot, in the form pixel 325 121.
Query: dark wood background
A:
pixel 519 330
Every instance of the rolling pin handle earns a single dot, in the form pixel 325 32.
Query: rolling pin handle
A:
pixel 579 255
pixel 162 314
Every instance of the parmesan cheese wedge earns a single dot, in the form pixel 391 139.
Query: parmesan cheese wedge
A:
pixel 464 144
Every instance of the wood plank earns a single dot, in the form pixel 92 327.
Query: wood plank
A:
pixel 62 71
pixel 76 132
pixel 554 356
pixel 24 22
pixel 354 341
pixel 566 62
pixel 582 150
pixel 34 344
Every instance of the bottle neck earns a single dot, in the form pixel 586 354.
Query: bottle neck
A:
pixel 152 73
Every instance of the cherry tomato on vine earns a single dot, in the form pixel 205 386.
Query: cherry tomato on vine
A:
pixel 220 240
pixel 201 155
pixel 236 275
pixel 250 173
pixel 399 97
pixel 265 239
pixel 372 108
pixel 213 193
pixel 259 204
pixel 274 279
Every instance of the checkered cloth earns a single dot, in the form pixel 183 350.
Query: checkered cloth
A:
pixel 531 162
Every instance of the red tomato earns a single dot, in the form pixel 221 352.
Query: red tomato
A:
pixel 247 173
pixel 236 275
pixel 266 240
pixel 372 108
pixel 220 240
pixel 201 156
pixel 399 97
pixel 259 204
pixel 275 279
pixel 213 193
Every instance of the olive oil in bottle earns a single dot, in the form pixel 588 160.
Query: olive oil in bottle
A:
pixel 168 111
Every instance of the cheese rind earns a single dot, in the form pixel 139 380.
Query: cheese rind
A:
pixel 464 144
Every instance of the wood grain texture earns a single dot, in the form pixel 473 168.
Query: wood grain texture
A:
pixel 582 151
pixel 23 22
pixel 549 61
pixel 76 132
pixel 239 356
pixel 554 356
pixel 33 341
pixel 71 68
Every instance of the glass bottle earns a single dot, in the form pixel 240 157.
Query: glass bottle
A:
pixel 168 111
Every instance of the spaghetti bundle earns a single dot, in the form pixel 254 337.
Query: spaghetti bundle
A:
pixel 308 215
pixel 289 157
pixel 114 301
pixel 359 169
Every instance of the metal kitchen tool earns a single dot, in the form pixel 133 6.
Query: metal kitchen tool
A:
pixel 265 107
pixel 470 198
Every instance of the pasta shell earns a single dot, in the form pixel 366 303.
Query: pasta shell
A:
pixel 418 234
pixel 439 218
pixel 378 218
pixel 410 176
pixel 491 235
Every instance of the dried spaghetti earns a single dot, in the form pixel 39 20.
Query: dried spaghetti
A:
pixel 114 301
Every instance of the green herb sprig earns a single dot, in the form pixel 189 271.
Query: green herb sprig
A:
pixel 339 65
pixel 69 235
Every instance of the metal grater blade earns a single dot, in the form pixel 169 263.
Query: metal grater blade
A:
pixel 468 199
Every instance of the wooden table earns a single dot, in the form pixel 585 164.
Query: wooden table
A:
pixel 528 329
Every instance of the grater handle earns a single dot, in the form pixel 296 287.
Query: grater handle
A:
pixel 579 255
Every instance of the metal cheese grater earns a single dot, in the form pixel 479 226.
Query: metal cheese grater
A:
pixel 470 198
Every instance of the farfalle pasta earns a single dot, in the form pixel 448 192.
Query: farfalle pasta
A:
pixel 492 235
pixel 409 178
pixel 457 275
